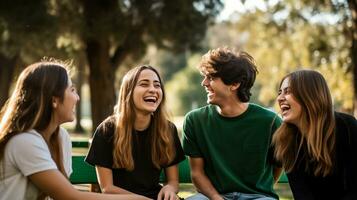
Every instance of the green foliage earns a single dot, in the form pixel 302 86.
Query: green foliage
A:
pixel 304 45
pixel 184 91
pixel 109 32
pixel 279 46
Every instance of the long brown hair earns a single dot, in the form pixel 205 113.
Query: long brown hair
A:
pixel 317 144
pixel 30 105
pixel 162 151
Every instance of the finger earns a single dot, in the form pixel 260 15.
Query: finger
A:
pixel 172 196
pixel 167 196
pixel 159 196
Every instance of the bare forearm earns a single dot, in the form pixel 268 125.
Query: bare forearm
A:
pixel 90 196
pixel 204 186
pixel 112 189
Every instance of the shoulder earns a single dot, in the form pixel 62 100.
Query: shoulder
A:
pixel 108 122
pixel 171 125
pixel 345 117
pixel 107 126
pixel 200 111
pixel 64 134
pixel 26 139
pixel 346 120
pixel 27 145
pixel 257 109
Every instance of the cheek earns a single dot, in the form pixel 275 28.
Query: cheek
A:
pixel 161 95
pixel 298 110
pixel 136 100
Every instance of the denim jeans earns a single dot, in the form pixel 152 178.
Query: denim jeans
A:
pixel 233 196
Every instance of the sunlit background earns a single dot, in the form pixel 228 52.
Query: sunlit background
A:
pixel 104 39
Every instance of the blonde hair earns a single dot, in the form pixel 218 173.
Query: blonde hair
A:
pixel 317 144
pixel 162 151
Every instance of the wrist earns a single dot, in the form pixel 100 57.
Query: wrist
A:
pixel 217 197
pixel 171 188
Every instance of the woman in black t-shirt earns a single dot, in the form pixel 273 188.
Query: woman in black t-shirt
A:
pixel 131 147
pixel 316 146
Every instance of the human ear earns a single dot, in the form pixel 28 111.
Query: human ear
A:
pixel 54 102
pixel 234 86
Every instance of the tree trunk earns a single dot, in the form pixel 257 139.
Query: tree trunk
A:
pixel 101 80
pixel 79 83
pixel 354 66
pixel 7 69
pixel 353 8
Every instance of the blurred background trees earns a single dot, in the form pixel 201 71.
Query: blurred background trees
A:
pixel 109 32
pixel 105 38
pixel 288 35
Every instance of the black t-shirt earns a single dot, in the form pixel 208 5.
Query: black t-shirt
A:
pixel 342 183
pixel 144 179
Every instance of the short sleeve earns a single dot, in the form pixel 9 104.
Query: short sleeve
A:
pixel 100 152
pixel 67 151
pixel 275 125
pixel 30 154
pixel 180 156
pixel 189 141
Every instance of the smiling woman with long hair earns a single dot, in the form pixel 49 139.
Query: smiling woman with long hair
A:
pixel 316 145
pixel 35 152
pixel 132 146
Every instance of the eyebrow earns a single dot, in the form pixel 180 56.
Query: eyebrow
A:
pixel 284 89
pixel 147 80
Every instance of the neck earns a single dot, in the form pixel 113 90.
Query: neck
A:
pixel 48 131
pixel 302 129
pixel 142 122
pixel 233 109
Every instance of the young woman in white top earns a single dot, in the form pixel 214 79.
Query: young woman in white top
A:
pixel 35 153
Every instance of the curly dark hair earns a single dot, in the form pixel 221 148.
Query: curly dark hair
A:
pixel 231 67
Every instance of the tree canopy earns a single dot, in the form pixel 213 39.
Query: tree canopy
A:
pixel 108 31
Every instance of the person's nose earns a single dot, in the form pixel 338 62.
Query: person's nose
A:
pixel 204 81
pixel 280 97
pixel 152 88
pixel 78 98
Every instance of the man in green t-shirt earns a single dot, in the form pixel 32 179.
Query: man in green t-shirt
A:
pixel 229 140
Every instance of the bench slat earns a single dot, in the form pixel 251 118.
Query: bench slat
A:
pixel 84 173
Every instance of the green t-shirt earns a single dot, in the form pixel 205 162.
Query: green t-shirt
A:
pixel 237 151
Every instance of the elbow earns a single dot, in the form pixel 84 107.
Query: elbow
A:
pixel 107 189
pixel 196 175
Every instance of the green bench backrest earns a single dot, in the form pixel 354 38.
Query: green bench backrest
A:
pixel 80 143
pixel 84 173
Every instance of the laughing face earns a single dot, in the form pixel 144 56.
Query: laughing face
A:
pixel 217 91
pixel 64 111
pixel 147 94
pixel 289 107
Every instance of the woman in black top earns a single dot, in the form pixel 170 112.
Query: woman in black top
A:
pixel 316 146
pixel 130 148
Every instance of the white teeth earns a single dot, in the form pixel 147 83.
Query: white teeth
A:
pixel 284 107
pixel 150 99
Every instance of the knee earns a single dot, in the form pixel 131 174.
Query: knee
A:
pixel 197 196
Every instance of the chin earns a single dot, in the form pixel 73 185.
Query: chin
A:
pixel 289 121
pixel 149 112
